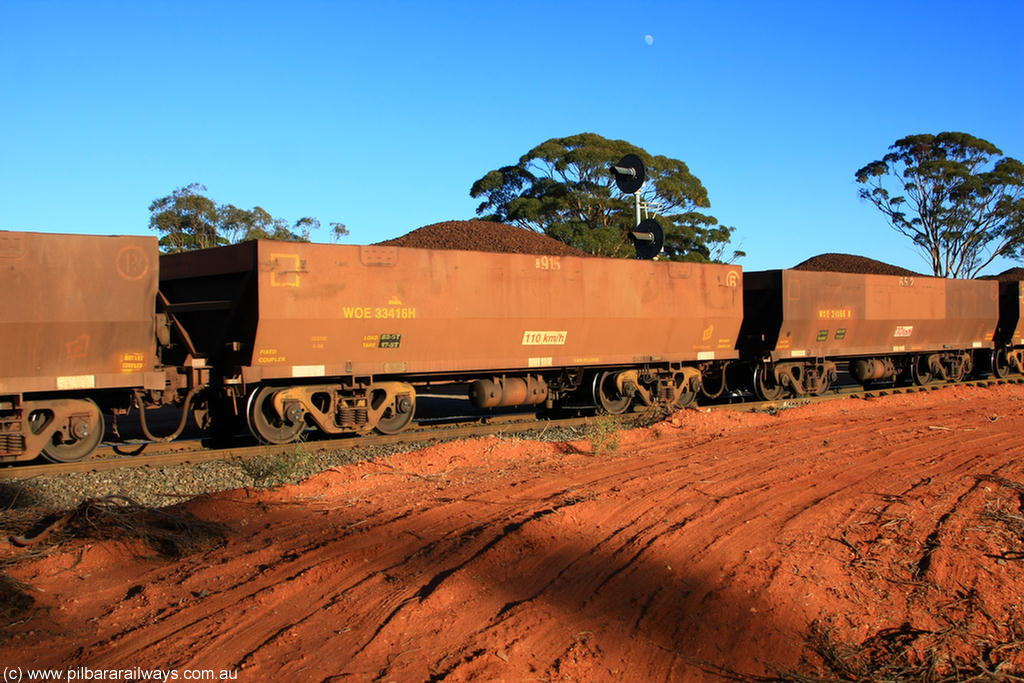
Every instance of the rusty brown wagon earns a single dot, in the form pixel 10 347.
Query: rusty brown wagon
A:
pixel 76 331
pixel 341 337
pixel 797 324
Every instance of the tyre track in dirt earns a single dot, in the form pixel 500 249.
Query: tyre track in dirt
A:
pixel 704 541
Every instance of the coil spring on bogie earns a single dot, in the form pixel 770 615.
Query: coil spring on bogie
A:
pixel 12 444
pixel 12 441
pixel 351 417
pixel 346 417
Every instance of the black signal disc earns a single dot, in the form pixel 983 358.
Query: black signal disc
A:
pixel 648 239
pixel 633 179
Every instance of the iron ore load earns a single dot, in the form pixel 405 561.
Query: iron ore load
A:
pixel 281 338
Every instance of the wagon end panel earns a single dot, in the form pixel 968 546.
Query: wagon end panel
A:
pixel 1010 330
pixel 972 314
pixel 211 299
pixel 762 313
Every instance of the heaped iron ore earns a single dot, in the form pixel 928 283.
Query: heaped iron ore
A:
pixel 850 263
pixel 473 235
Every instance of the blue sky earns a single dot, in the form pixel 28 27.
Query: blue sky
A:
pixel 381 115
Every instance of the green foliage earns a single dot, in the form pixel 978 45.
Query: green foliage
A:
pixel 563 188
pixel 603 434
pixel 189 220
pixel 338 230
pixel 954 195
pixel 267 471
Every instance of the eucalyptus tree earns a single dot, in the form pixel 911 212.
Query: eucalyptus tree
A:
pixel 563 188
pixel 954 195
pixel 187 219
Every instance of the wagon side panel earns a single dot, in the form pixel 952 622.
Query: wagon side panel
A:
pixel 336 310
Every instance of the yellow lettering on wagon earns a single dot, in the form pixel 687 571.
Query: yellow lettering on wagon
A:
pixel 379 312
pixel 835 314
pixel 133 362
pixel 269 357
pixel 394 313
pixel 548 263
pixel 356 312
pixel 544 337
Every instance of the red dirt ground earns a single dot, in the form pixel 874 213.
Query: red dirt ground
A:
pixel 709 540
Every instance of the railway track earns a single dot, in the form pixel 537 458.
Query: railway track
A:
pixel 123 455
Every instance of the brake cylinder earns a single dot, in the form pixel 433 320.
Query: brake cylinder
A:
pixel 507 391
pixel 864 369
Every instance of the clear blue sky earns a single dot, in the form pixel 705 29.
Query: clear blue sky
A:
pixel 381 115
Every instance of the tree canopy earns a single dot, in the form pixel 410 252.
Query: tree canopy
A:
pixel 187 220
pixel 563 188
pixel 954 195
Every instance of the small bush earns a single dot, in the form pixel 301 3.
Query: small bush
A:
pixel 603 434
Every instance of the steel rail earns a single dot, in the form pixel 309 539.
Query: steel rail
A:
pixel 193 452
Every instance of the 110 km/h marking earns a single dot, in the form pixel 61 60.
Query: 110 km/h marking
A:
pixel 542 338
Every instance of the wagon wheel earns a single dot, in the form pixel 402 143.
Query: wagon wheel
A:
pixel 920 370
pixel 685 391
pixel 968 363
pixel 607 396
pixel 1000 363
pixel 957 370
pixel 264 422
pixel 823 385
pixel 86 432
pixel 398 415
pixel 766 386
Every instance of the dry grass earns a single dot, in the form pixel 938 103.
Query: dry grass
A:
pixel 15 598
pixel 171 532
pixel 964 642
pixel 905 654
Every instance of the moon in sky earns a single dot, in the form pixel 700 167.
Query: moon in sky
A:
pixel 649 39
